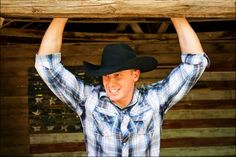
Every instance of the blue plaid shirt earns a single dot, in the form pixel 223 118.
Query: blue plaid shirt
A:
pixel 110 131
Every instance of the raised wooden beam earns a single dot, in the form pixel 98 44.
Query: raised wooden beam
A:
pixel 118 8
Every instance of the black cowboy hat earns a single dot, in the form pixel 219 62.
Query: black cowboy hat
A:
pixel 118 57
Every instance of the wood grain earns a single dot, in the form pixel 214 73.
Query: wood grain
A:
pixel 118 9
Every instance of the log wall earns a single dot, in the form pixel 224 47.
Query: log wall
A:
pixel 202 124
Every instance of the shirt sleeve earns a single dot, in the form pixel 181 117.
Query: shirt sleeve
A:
pixel 62 82
pixel 181 79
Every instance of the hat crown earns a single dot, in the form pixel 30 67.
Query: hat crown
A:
pixel 116 55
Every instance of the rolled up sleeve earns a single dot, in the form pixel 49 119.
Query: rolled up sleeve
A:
pixel 181 79
pixel 196 59
pixel 61 82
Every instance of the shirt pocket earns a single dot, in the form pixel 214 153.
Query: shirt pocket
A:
pixel 108 139
pixel 104 121
pixel 143 120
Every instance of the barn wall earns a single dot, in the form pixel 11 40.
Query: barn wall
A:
pixel 203 123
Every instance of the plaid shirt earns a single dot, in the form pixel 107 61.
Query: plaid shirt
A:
pixel 110 131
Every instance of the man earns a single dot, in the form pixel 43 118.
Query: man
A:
pixel 117 118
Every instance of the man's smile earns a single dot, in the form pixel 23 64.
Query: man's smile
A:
pixel 113 91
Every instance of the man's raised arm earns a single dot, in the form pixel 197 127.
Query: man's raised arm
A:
pixel 189 42
pixel 52 39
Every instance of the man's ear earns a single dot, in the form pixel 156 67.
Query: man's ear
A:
pixel 136 75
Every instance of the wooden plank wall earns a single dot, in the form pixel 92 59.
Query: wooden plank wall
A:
pixel 203 123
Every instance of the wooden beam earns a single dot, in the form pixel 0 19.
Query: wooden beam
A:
pixel 212 48
pixel 136 28
pixel 205 104
pixel 163 27
pixel 87 36
pixel 198 133
pixel 115 20
pixel 198 123
pixel 118 8
pixel 56 138
pixel 121 27
pixel 119 37
pixel 197 142
pixel 200 114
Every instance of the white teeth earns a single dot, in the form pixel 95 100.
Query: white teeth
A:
pixel 113 90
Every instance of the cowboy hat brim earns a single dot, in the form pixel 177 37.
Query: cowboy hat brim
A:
pixel 144 64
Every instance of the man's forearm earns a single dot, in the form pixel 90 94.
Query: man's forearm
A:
pixel 188 39
pixel 52 39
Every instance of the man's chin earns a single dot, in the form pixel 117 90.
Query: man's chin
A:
pixel 114 99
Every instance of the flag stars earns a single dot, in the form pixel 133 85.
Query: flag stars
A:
pixel 50 128
pixel 38 100
pixel 52 101
pixel 36 113
pixel 51 115
pixel 38 85
pixel 36 128
pixel 64 114
pixel 64 127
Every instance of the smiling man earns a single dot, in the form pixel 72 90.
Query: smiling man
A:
pixel 119 85
pixel 119 119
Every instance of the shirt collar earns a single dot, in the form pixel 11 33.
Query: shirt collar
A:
pixel 102 93
pixel 135 97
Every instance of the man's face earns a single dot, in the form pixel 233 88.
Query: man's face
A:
pixel 119 86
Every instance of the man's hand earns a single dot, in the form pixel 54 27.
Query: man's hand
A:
pixel 52 39
pixel 189 42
